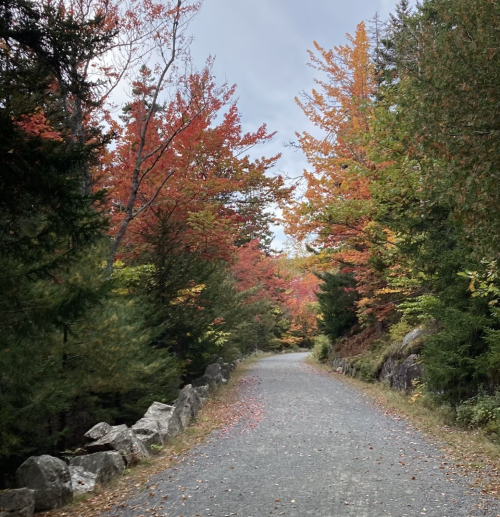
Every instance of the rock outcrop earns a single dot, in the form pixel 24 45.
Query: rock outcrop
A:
pixel 387 370
pixel 400 369
pixel 104 465
pixel 19 502
pixel 342 365
pixel 406 373
pixel 403 367
pixel 50 479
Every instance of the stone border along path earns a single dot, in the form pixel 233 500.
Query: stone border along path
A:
pixel 318 448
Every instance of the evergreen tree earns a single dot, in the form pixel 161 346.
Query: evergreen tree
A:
pixel 336 299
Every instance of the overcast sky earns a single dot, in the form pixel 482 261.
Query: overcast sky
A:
pixel 261 45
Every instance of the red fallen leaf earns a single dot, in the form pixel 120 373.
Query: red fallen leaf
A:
pixel 413 477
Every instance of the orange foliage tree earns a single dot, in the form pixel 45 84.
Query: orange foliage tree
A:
pixel 291 290
pixel 335 210
pixel 300 305
pixel 255 271
pixel 174 162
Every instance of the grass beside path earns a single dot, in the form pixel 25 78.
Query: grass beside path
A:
pixel 223 409
pixel 471 451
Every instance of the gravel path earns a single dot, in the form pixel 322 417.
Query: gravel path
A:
pixel 313 446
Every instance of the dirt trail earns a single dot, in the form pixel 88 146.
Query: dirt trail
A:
pixel 312 446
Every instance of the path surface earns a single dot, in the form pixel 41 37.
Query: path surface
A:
pixel 320 449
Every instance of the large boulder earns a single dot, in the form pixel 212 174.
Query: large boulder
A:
pixel 406 373
pixel 123 440
pixel 148 431
pixel 49 477
pixel 17 503
pixel 81 480
pixel 186 408
pixel 105 465
pixel 161 413
pixel 98 431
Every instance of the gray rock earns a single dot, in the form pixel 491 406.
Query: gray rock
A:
pixel 342 365
pixel 186 408
pixel 202 391
pixel 213 370
pixel 50 479
pixel 17 503
pixel 162 413
pixel 406 372
pixel 105 465
pixel 413 336
pixel 159 411
pixel 148 440
pixel 226 371
pixel 98 431
pixel 146 426
pixel 123 440
pixel 205 380
pixel 82 481
pixel 148 431
pixel 387 370
pixel 214 373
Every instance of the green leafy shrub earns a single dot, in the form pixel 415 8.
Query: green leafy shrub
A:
pixel 321 348
pixel 482 411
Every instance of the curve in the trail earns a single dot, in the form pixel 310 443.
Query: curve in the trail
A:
pixel 320 449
